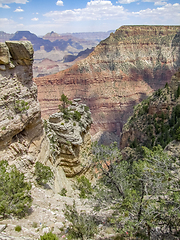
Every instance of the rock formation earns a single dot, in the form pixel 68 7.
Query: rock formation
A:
pixel 23 140
pixel 70 139
pixel 20 118
pixel 122 70
pixel 155 120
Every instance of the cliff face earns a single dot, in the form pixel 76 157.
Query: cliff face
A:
pixel 155 120
pixel 119 73
pixel 23 140
pixel 20 117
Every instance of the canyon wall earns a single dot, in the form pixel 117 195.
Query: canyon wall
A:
pixel 156 120
pixel 121 71
pixel 21 129
pixel 23 138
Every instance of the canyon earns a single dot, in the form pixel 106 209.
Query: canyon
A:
pixel 54 52
pixel 63 140
pixel 121 71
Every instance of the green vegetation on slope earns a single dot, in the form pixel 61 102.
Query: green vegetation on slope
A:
pixel 156 119
pixel 15 195
pixel 141 197
pixel 43 173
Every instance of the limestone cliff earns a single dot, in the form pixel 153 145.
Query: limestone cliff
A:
pixel 21 127
pixel 120 72
pixel 23 140
pixel 70 139
pixel 155 120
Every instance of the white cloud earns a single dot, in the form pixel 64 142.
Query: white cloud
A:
pixel 21 18
pixel 5 21
pixel 13 1
pixel 161 15
pixel 59 3
pixel 9 25
pixel 99 3
pixel 156 2
pixel 35 19
pixel 160 3
pixel 19 9
pixel 126 1
pixel 95 10
pixel 4 6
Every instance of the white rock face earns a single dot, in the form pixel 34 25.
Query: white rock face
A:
pixel 23 140
pixel 21 128
pixel 70 139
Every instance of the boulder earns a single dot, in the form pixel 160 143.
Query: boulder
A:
pixel 4 54
pixel 21 51
pixel 3 227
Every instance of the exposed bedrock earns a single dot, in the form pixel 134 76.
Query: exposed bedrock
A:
pixel 121 71
pixel 23 140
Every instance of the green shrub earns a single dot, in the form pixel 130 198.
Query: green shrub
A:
pixel 66 114
pixel 17 228
pixel 177 93
pixel 86 108
pixel 34 224
pixel 76 116
pixel 83 226
pixel 43 173
pixel 48 236
pixel 63 192
pixel 45 125
pixel 84 185
pixel 3 128
pixel 145 108
pixel 15 195
pixel 178 134
pixel 158 92
pixel 166 85
pixel 21 106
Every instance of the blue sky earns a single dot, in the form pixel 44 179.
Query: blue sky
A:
pixel 61 16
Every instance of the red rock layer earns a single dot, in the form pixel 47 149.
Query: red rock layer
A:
pixel 119 73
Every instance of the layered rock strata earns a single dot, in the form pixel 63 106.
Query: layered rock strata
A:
pixel 70 140
pixel 121 71
pixel 23 140
pixel 155 120
pixel 21 126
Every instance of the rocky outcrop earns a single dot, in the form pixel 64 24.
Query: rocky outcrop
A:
pixel 21 129
pixel 70 140
pixel 23 139
pixel 155 120
pixel 120 72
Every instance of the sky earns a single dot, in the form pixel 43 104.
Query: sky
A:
pixel 68 16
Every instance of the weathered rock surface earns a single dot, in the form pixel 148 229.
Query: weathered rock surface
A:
pixel 23 140
pixel 70 140
pixel 21 128
pixel 21 51
pixel 156 119
pixel 119 73
pixel 4 54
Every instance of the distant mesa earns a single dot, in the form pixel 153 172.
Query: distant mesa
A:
pixel 56 47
